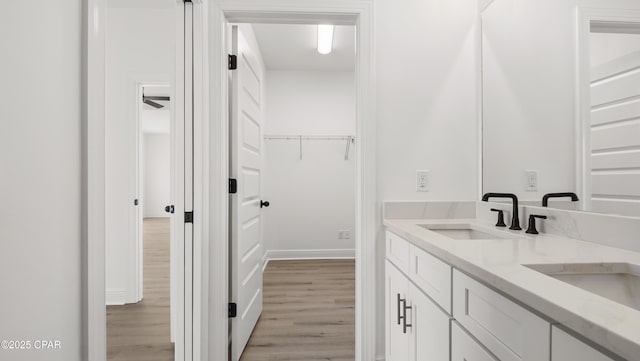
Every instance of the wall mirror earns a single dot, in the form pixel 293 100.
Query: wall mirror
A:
pixel 561 102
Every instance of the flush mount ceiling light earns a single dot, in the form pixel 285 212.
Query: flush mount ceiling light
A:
pixel 325 39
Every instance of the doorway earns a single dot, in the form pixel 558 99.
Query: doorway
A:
pixel 347 12
pixel 146 324
pixel 141 287
pixel 293 123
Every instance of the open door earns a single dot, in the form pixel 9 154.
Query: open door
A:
pixel 182 238
pixel 245 167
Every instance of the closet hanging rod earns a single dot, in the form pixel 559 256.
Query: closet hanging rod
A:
pixel 310 137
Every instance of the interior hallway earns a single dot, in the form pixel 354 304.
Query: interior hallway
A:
pixel 308 312
pixel 140 332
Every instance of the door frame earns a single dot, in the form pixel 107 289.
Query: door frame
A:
pixel 586 16
pixel 93 313
pixel 140 83
pixel 215 280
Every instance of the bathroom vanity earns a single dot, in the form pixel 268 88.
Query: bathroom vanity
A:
pixel 459 288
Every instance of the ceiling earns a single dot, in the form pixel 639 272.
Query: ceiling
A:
pixel 294 47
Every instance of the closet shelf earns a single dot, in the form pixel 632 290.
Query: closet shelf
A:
pixel 310 137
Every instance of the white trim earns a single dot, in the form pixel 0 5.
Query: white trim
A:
pixel 480 104
pixel 301 254
pixel 115 297
pixel 361 11
pixel 585 16
pixel 94 333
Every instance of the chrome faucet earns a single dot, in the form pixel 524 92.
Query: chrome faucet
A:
pixel 515 219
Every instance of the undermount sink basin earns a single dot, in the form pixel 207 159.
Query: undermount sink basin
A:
pixel 619 282
pixel 460 232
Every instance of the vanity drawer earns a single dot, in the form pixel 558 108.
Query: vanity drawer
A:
pixel 432 276
pixel 397 250
pixel 465 348
pixel 508 330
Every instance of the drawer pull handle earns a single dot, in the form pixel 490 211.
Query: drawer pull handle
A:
pixel 398 304
pixel 405 325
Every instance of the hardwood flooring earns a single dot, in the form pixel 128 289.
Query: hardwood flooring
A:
pixel 140 332
pixel 308 313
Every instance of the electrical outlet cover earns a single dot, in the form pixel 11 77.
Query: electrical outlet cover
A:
pixel 423 181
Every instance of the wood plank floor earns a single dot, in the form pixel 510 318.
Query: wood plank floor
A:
pixel 308 312
pixel 140 332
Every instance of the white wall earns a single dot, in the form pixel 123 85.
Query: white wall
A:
pixel 41 127
pixel 140 47
pixel 529 92
pixel 313 198
pixel 426 85
pixel 156 177
pixel 310 102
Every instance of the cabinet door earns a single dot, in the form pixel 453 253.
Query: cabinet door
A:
pixel 396 289
pixel 505 328
pixel 429 331
pixel 465 348
pixel 565 347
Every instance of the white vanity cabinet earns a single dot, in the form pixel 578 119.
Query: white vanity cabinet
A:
pixel 417 328
pixel 569 348
pixel 437 313
pixel 429 332
pixel 396 290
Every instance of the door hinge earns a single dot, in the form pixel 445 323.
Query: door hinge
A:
pixel 233 186
pixel 233 310
pixel 233 62
pixel 188 217
pixel 135 202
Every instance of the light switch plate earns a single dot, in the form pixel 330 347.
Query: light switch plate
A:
pixel 423 180
pixel 531 180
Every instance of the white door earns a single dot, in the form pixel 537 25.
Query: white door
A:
pixel 465 348
pixel 612 173
pixel 429 331
pixel 246 155
pixel 397 337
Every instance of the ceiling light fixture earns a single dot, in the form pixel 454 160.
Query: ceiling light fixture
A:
pixel 325 39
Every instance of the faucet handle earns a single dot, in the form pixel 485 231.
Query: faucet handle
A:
pixel 500 217
pixel 532 223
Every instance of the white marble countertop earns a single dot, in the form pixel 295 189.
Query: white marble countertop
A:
pixel 499 263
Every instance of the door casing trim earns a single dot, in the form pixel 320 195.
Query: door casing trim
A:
pixel 215 278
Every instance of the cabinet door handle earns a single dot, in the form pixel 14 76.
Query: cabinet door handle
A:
pixel 405 325
pixel 398 305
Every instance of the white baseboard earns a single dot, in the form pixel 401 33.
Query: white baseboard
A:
pixel 115 297
pixel 380 358
pixel 309 254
